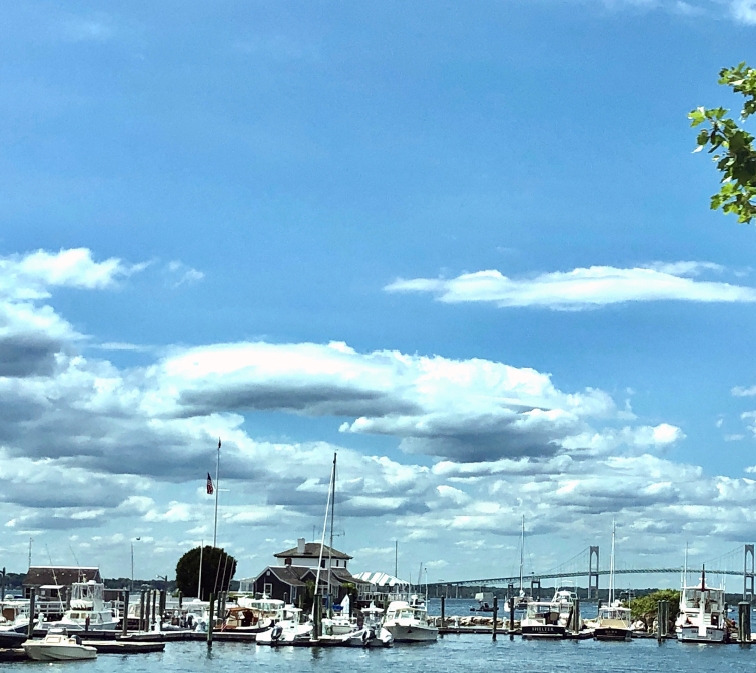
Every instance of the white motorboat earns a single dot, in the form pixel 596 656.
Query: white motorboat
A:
pixel 407 622
pixel 14 616
pixel 542 620
pixel 57 645
pixel 287 630
pixel 702 614
pixel 372 633
pixel 88 610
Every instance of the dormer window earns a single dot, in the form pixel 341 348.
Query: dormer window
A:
pixel 287 561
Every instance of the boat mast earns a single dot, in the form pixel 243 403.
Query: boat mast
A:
pixel 217 491
pixel 685 568
pixel 611 567
pixel 522 550
pixel 330 538
pixel 322 543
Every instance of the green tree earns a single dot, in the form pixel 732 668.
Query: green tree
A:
pixel 218 569
pixel 731 145
pixel 644 607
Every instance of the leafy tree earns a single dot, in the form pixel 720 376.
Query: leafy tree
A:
pixel 644 607
pixel 731 145
pixel 218 569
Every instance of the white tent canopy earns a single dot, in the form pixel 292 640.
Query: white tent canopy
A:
pixel 381 579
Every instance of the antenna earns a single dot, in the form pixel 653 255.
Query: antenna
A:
pixel 70 546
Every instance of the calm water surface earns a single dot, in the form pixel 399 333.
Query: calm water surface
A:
pixel 472 654
pixel 452 654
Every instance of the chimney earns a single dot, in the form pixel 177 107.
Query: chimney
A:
pixel 301 545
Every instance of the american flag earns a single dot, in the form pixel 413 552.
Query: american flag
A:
pixel 209 484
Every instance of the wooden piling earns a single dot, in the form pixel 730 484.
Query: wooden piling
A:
pixel 511 617
pixel 211 622
pixel 576 616
pixel 125 613
pixel 141 611
pixel 443 612
pixel 744 622
pixel 153 621
pixel 32 596
pixel 181 600
pixel 495 616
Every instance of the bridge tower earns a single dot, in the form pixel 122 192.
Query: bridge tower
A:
pixel 593 575
pixel 748 573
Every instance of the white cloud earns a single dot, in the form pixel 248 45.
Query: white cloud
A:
pixel 739 391
pixel 582 288
pixel 744 11
pixel 178 273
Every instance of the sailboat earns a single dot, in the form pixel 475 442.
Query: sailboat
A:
pixel 613 621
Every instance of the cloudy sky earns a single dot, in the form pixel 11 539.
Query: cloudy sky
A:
pixel 466 246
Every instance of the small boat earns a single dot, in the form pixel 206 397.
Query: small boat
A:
pixel 407 622
pixel 542 620
pixel 372 633
pixel 485 602
pixel 702 616
pixel 286 631
pixel 14 616
pixel 57 645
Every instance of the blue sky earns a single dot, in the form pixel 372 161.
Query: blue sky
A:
pixel 493 207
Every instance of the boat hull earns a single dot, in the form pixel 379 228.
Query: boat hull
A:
pixel 43 652
pixel 412 634
pixel 543 631
pixel 691 634
pixel 612 633
pixel 10 639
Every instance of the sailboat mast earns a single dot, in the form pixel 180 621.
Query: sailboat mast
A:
pixel 611 566
pixel 522 550
pixel 330 538
pixel 322 542
pixel 217 491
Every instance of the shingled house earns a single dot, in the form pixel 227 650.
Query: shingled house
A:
pixel 51 582
pixel 298 566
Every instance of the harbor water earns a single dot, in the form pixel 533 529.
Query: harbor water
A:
pixel 451 654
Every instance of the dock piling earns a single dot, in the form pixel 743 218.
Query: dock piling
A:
pixel 211 622
pixel 141 611
pixel 443 612
pixel 495 615
pixel 511 617
pixel 744 622
pixel 32 596
pixel 125 613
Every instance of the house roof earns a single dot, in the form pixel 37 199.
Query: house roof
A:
pixel 312 550
pixel 38 576
pixel 297 576
pixel 291 575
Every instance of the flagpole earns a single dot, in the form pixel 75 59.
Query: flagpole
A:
pixel 217 491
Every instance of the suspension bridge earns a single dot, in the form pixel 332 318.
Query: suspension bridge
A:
pixel 589 560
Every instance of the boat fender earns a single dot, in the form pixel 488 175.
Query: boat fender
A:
pixel 328 630
pixel 275 634
pixel 365 636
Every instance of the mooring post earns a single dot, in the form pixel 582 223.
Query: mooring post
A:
pixel 511 617
pixel 155 597
pixel 141 611
pixel 125 613
pixel 210 622
pixel 2 587
pixel 161 610
pixel 576 616
pixel 744 622
pixel 443 611
pixel 495 615
pixel 31 612
pixel 181 600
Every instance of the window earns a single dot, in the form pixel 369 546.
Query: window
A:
pixel 337 563
pixel 267 589
pixel 322 563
